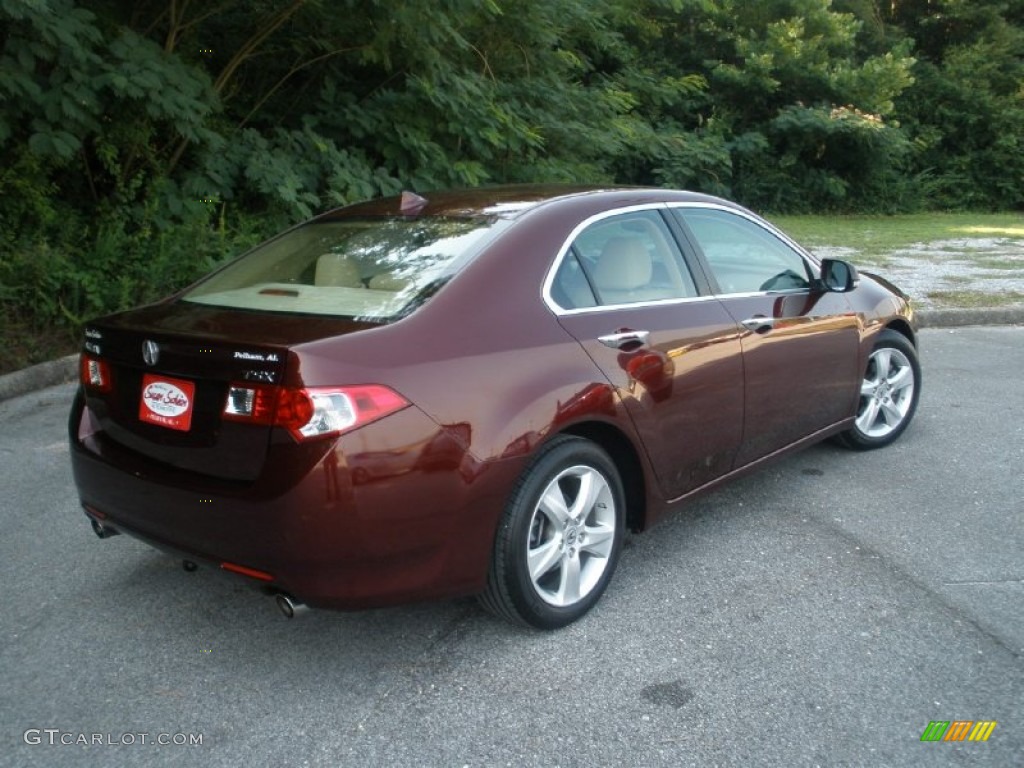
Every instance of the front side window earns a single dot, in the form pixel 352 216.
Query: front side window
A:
pixel 623 259
pixel 369 269
pixel 743 256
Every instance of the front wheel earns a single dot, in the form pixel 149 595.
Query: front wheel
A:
pixel 888 394
pixel 559 538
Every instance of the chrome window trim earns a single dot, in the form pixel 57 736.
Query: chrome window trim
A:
pixel 549 279
pixel 771 229
pixel 557 309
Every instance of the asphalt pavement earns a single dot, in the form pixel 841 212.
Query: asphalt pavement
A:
pixel 820 612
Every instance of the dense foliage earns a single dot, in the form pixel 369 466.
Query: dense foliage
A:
pixel 143 141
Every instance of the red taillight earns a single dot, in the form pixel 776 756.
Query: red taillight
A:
pixel 294 409
pixel 251 403
pixel 311 412
pixel 95 374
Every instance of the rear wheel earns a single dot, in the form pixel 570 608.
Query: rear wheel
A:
pixel 559 538
pixel 888 394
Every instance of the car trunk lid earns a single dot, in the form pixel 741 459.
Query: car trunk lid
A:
pixel 171 373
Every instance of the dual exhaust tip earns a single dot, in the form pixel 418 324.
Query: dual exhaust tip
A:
pixel 101 530
pixel 289 606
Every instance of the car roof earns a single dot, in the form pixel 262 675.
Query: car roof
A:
pixel 510 201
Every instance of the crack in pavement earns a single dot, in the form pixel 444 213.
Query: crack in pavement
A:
pixel 895 569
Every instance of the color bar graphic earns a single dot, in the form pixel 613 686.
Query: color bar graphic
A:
pixel 958 730
pixel 935 730
pixel 982 730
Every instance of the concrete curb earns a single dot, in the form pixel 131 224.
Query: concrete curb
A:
pixel 956 318
pixel 66 368
pixel 39 376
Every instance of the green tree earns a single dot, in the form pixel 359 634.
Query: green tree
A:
pixel 141 142
pixel 966 111
pixel 777 103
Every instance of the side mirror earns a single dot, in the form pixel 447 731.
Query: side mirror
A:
pixel 838 276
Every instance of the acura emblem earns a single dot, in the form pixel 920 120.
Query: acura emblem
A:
pixel 150 352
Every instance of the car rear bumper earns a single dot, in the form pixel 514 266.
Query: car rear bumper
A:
pixel 355 530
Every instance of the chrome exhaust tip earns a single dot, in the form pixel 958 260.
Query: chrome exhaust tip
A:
pixel 289 606
pixel 101 530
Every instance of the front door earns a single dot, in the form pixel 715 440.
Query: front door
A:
pixel 800 342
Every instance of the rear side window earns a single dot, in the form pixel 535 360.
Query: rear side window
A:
pixel 570 288
pixel 628 258
pixel 369 269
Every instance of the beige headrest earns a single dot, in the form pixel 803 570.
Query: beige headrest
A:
pixel 624 265
pixel 336 269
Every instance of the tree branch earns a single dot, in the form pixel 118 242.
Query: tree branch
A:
pixel 174 24
pixel 88 173
pixel 295 69
pixel 253 43
pixel 204 16
pixel 483 58
pixel 239 58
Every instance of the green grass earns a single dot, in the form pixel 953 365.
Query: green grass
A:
pixel 972 299
pixel 873 240
pixel 876 236
pixel 989 263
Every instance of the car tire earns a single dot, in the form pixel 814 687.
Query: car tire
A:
pixel 889 393
pixel 559 538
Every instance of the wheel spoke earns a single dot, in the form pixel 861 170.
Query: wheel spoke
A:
pixel 599 539
pixel 868 387
pixel 883 362
pixel 552 504
pixel 891 414
pixel 903 378
pixel 867 419
pixel 569 585
pixel 544 558
pixel 591 485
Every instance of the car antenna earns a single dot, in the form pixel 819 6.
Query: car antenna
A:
pixel 412 203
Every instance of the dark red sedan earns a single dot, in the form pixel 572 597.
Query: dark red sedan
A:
pixel 477 392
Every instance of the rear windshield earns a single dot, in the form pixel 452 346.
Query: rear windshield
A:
pixel 369 269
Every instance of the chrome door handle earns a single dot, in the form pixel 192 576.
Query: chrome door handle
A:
pixel 758 324
pixel 624 338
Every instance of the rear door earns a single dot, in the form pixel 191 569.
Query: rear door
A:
pixel 621 288
pixel 800 343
